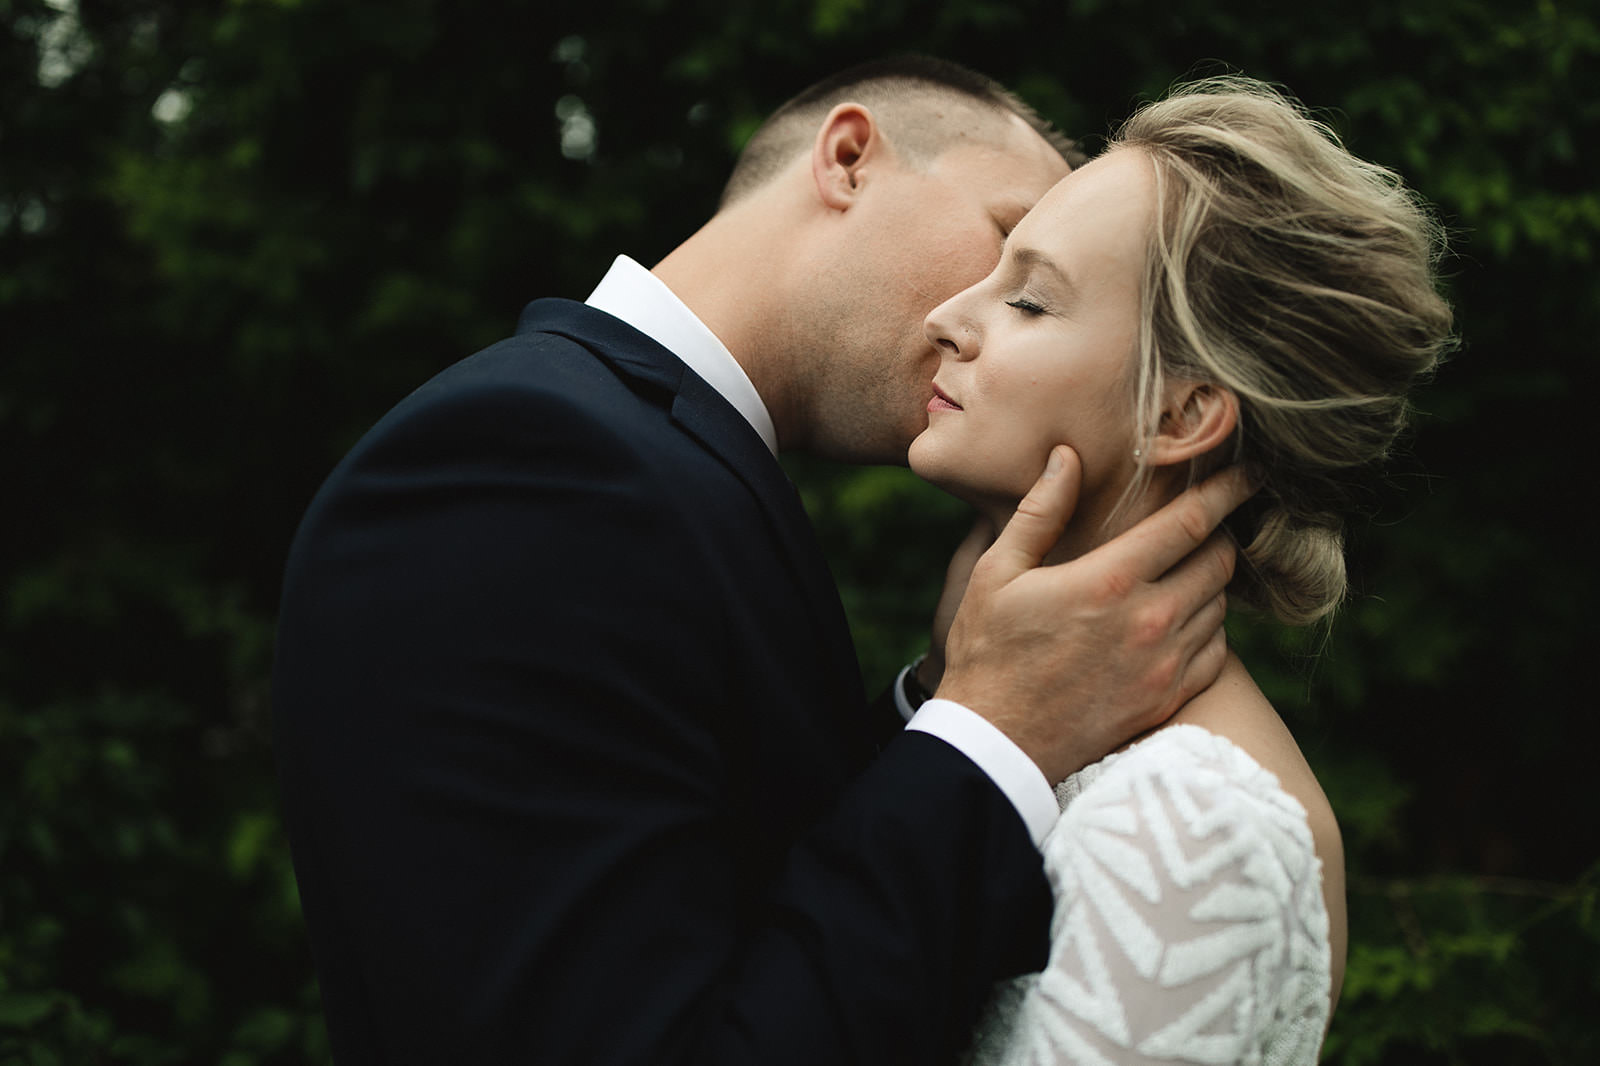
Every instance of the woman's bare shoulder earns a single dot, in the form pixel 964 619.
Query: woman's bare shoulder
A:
pixel 1235 708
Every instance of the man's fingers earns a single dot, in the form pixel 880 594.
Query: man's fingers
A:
pixel 974 544
pixel 1161 541
pixel 1040 517
pixel 1205 666
pixel 1207 621
pixel 1201 576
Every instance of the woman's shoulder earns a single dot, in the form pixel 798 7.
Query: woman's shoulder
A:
pixel 1232 737
pixel 1181 749
pixel 1192 799
pixel 1226 778
pixel 1189 922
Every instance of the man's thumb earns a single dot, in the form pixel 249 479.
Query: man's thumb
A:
pixel 1041 516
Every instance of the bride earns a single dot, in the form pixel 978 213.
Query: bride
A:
pixel 1225 284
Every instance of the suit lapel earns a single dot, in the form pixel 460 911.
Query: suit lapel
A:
pixel 702 413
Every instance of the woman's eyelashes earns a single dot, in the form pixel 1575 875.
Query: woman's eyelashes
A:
pixel 1025 305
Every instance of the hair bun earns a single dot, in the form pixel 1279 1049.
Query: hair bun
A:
pixel 1291 566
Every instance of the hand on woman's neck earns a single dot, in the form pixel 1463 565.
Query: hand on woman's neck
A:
pixel 1096 519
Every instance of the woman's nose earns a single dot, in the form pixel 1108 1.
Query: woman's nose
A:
pixel 948 330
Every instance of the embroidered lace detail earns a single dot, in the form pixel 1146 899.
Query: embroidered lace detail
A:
pixel 1189 921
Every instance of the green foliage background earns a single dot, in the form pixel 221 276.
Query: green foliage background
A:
pixel 233 232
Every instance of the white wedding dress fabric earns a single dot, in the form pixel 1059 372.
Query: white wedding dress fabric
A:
pixel 1189 922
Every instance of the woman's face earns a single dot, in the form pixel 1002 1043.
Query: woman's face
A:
pixel 1041 352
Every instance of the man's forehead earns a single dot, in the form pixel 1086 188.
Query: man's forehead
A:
pixel 1023 141
pixel 1013 168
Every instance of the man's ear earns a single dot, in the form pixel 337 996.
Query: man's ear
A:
pixel 1196 417
pixel 848 139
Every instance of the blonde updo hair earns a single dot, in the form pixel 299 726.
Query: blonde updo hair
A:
pixel 1302 279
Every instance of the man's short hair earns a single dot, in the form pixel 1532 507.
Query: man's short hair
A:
pixel 917 99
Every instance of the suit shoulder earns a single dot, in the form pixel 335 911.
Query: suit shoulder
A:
pixel 526 388
pixel 527 365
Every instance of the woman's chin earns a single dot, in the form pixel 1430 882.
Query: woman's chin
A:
pixel 998 505
pixel 921 457
pixel 992 492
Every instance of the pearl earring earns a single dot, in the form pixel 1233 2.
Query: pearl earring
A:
pixel 1137 452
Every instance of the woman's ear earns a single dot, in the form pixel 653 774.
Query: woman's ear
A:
pixel 1196 418
pixel 848 138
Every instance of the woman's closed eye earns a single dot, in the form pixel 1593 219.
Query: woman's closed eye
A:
pixel 1026 306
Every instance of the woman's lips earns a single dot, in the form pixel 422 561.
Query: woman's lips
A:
pixel 941 402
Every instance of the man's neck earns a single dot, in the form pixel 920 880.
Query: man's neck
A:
pixel 738 294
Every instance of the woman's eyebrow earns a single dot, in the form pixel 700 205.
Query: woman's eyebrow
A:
pixel 1033 260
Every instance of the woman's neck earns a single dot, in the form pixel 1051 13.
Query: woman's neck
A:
pixel 1094 521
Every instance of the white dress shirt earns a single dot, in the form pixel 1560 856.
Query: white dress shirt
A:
pixel 631 293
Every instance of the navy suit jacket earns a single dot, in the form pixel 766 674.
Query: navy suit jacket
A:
pixel 575 760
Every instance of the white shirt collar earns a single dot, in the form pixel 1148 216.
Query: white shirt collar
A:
pixel 643 301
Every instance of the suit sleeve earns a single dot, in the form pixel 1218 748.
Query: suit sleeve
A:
pixel 507 777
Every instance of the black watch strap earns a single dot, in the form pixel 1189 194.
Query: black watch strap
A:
pixel 911 688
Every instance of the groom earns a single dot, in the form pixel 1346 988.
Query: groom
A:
pixel 575 760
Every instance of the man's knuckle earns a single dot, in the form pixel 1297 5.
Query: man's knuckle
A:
pixel 1112 586
pixel 1156 686
pixel 1194 521
pixel 1152 622
pixel 1033 505
pixel 1227 557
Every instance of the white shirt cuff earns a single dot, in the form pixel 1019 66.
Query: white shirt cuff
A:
pixel 1018 776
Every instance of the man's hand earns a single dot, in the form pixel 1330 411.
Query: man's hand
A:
pixel 1071 661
